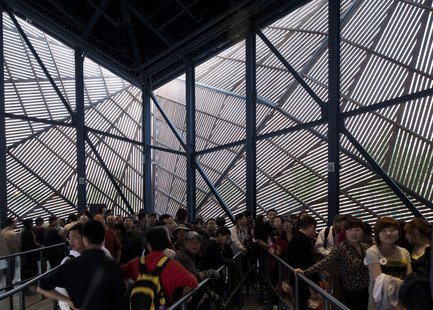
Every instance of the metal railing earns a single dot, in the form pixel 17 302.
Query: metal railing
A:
pixel 22 285
pixel 233 292
pixel 20 289
pixel 327 298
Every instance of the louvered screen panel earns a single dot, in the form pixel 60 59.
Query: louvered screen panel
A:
pixel 386 52
pixel 36 94
pixel 170 181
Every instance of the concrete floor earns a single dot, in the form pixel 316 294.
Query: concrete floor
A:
pixel 35 302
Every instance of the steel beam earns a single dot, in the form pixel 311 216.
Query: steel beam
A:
pixel 222 147
pixel 167 119
pixel 79 123
pixel 260 99
pixel 63 122
pixel 147 151
pixel 110 176
pixel 214 191
pixel 190 141
pixel 251 118
pixel 333 110
pixel 230 166
pixel 388 103
pixel 3 150
pixel 166 149
pixel 292 71
pixel 378 169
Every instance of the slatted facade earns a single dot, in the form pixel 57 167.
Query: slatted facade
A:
pixel 386 53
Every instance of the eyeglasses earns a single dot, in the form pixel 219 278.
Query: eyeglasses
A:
pixel 73 238
pixel 287 224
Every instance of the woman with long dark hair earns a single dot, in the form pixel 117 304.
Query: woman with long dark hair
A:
pixel 349 255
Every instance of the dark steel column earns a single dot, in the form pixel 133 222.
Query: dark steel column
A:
pixel 147 151
pixel 3 178
pixel 190 141
pixel 251 100
pixel 79 123
pixel 333 110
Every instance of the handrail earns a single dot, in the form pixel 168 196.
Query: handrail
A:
pixel 185 298
pixel 27 283
pixel 32 251
pixel 10 257
pixel 325 294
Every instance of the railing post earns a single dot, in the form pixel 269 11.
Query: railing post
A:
pixel 9 281
pixel 240 278
pixel 40 262
pixel 280 288
pixel 325 303
pixel 22 300
pixel 230 270
pixel 268 282
pixel 296 292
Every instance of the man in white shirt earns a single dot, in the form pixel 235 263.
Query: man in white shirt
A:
pixel 239 234
pixel 327 237
pixel 325 241
pixel 75 240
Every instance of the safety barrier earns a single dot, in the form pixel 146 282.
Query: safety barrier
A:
pixel 233 292
pixel 327 298
pixel 228 272
pixel 22 285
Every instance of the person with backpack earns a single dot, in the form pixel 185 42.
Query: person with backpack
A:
pixel 155 268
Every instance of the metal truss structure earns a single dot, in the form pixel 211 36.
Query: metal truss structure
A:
pixel 328 109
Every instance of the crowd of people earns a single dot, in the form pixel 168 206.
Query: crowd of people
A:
pixel 361 269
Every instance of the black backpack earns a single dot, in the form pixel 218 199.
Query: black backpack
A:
pixel 147 292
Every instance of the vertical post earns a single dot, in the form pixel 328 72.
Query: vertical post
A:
pixel 326 303
pixel 79 123
pixel 241 280
pixel 251 98
pixel 147 151
pixel 190 140
pixel 3 149
pixel 9 279
pixel 268 280
pixel 229 286
pixel 333 110
pixel 280 287
pixel 22 299
pixel 296 292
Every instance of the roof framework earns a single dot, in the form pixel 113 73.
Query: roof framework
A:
pixel 253 127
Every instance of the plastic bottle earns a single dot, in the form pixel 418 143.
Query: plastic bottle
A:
pixel 271 245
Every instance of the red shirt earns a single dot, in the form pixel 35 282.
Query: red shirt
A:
pixel 173 276
pixel 284 244
pixel 111 243
pixel 341 236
